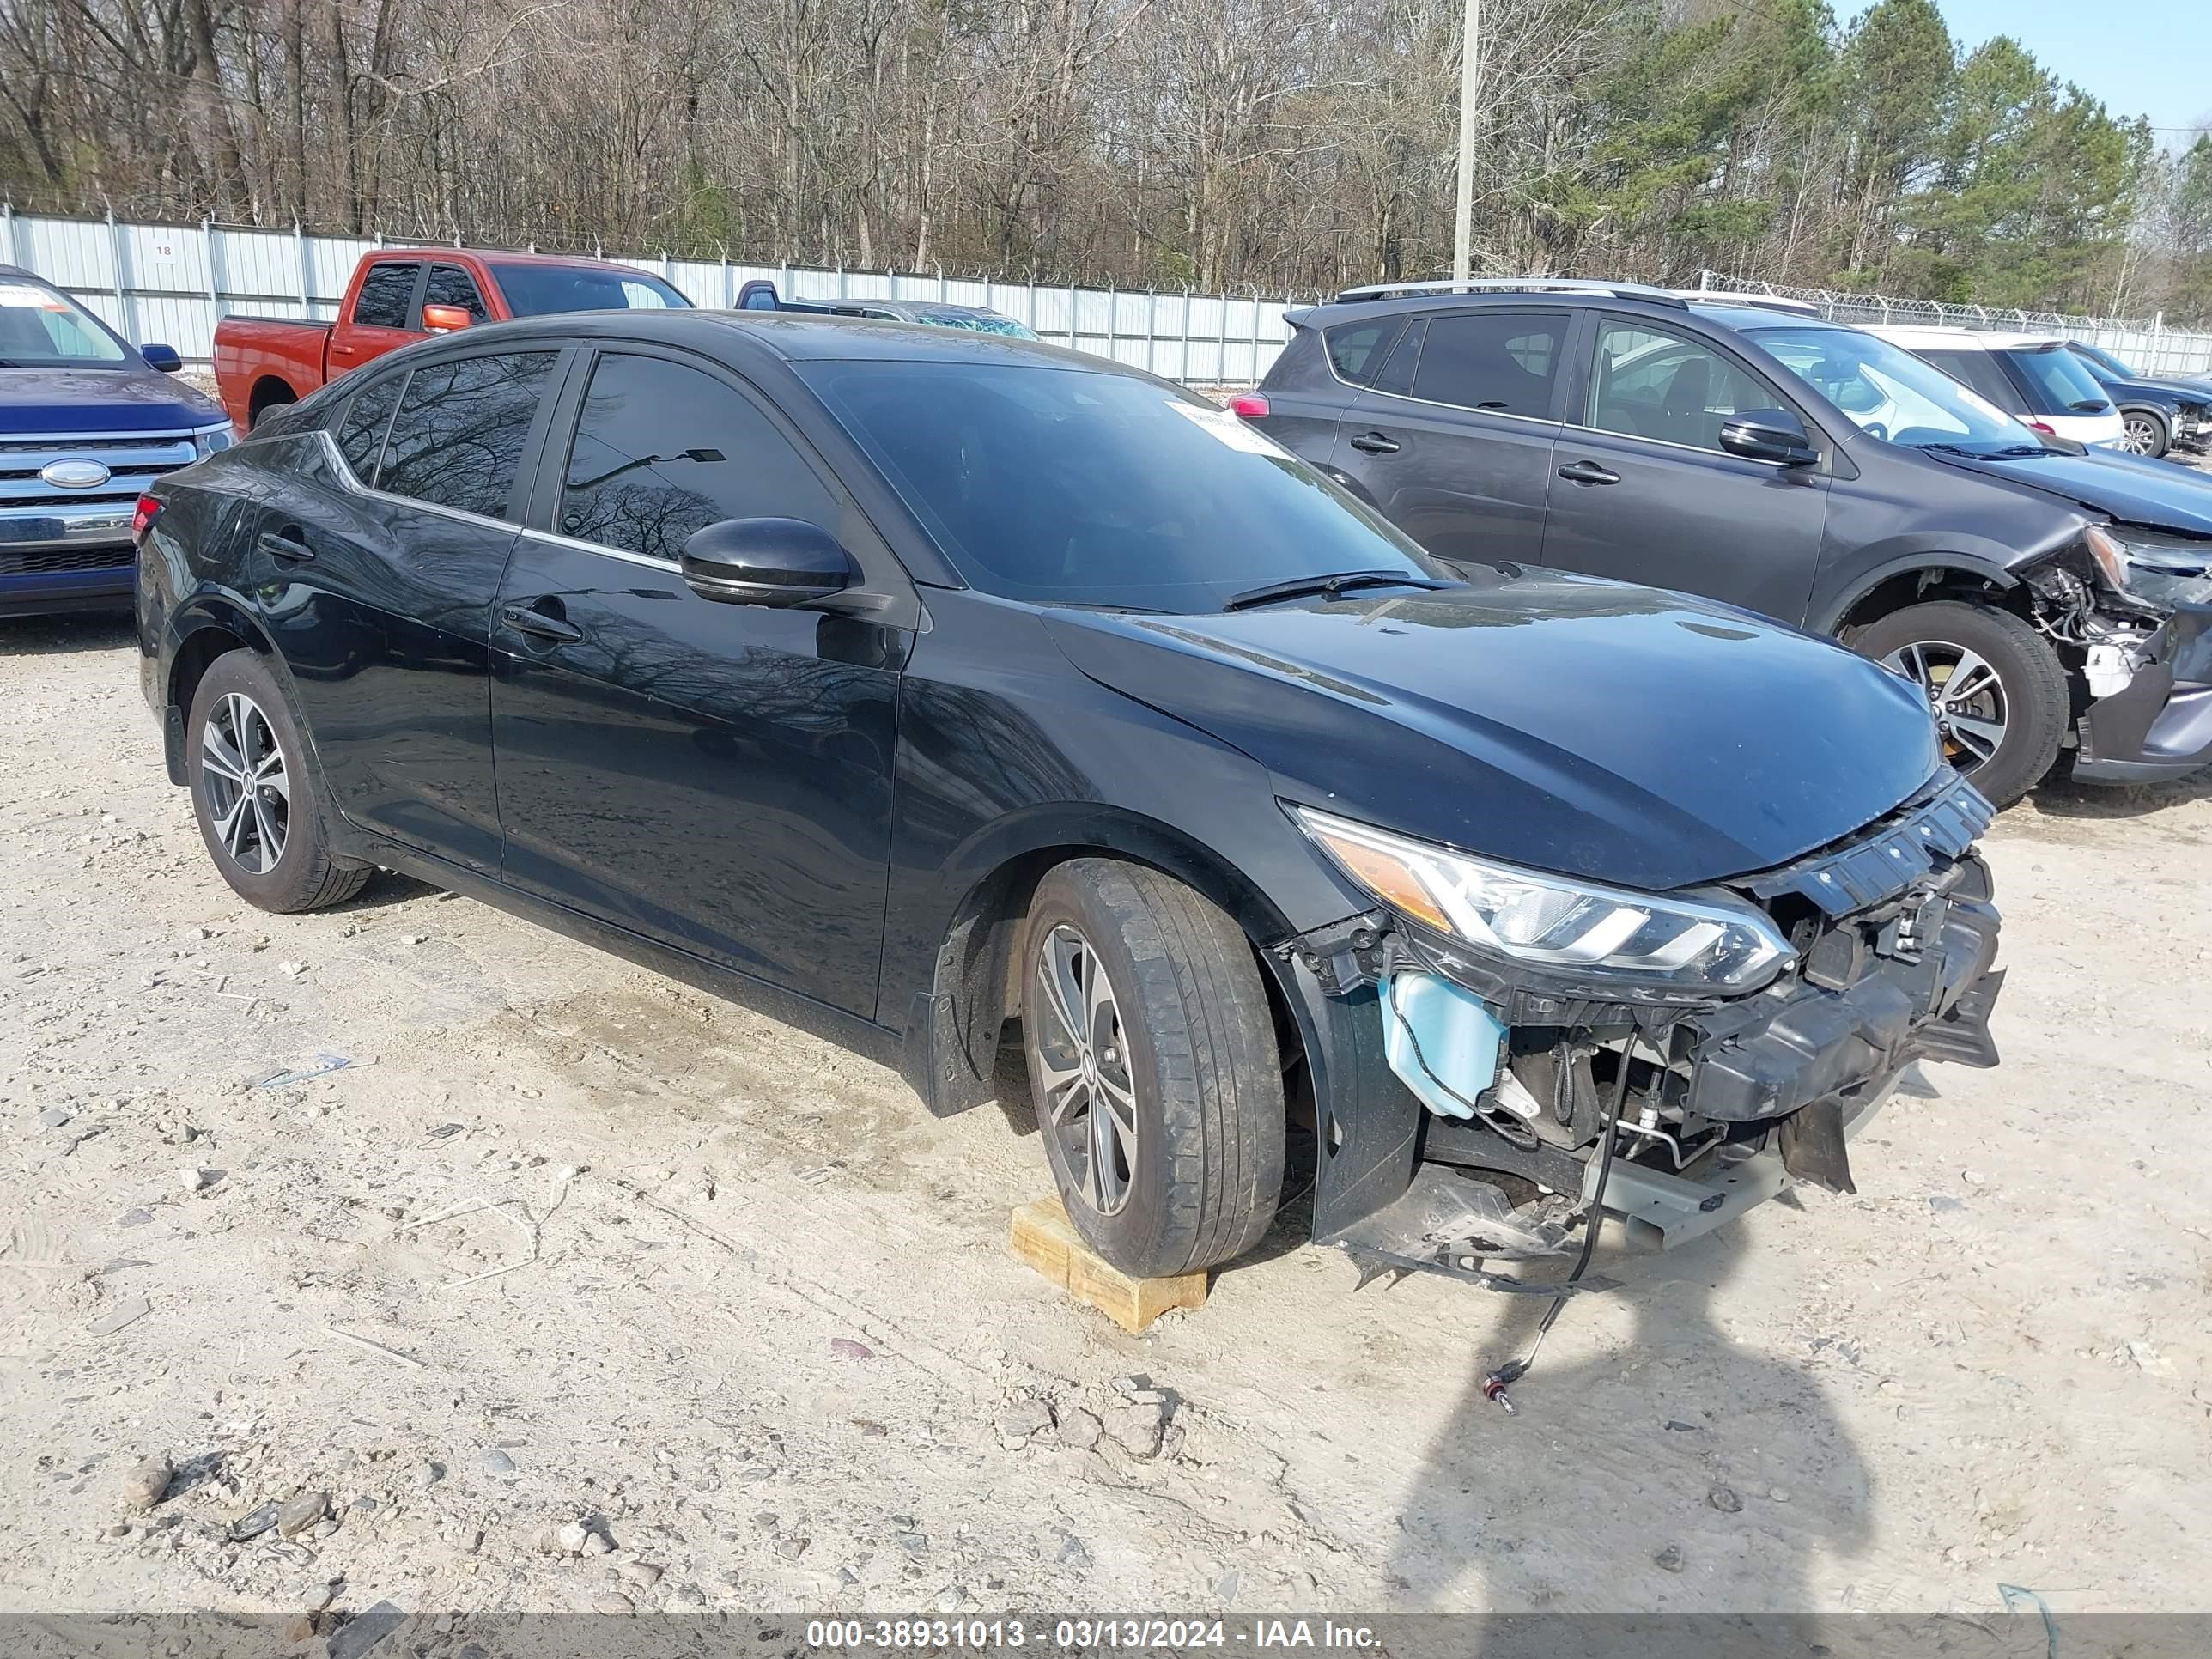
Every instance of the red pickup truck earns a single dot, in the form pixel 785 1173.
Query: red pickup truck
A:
pixel 400 294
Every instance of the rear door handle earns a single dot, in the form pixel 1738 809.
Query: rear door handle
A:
pixel 523 620
pixel 1375 444
pixel 1588 473
pixel 285 544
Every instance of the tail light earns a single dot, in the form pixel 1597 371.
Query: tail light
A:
pixel 1251 405
pixel 2047 431
pixel 142 516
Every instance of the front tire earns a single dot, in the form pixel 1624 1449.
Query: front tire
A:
pixel 1997 689
pixel 254 792
pixel 1153 1066
pixel 2143 432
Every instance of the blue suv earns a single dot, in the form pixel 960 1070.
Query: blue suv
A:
pixel 87 424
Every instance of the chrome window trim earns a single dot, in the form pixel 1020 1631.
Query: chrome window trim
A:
pixel 345 473
pixel 604 552
pixel 1461 409
pixel 1668 443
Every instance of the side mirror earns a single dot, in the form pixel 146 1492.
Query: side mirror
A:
pixel 778 561
pixel 1769 435
pixel 161 357
pixel 445 319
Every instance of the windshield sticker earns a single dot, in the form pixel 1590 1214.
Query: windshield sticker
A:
pixel 1220 423
pixel 22 294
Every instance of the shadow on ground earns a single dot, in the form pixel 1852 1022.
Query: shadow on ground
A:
pixel 1688 1470
pixel 41 636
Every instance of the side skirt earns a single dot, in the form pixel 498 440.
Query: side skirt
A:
pixel 862 1036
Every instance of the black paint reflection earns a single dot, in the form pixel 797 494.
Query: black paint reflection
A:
pixel 714 776
pixel 461 429
pixel 662 451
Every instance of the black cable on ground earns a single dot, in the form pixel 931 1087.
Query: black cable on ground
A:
pixel 1495 1385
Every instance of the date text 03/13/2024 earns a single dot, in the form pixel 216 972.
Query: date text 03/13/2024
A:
pixel 1081 1635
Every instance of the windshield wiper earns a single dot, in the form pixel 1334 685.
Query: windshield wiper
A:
pixel 1300 586
pixel 2007 452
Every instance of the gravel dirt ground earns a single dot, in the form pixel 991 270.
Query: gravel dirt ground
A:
pixel 744 1319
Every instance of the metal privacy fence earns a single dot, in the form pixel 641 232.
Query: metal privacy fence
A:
pixel 171 283
pixel 2148 347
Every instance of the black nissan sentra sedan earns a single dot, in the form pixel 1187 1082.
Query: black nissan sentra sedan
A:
pixel 933 690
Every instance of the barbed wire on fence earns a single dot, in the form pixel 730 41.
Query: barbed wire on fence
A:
pixel 2147 343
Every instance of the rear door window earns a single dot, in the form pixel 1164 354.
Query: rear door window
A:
pixel 360 433
pixel 663 450
pixel 449 285
pixel 387 294
pixel 458 439
pixel 1503 362
pixel 1396 374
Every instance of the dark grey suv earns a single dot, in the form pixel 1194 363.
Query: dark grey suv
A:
pixel 2045 599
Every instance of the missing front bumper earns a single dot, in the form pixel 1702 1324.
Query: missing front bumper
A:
pixel 1728 1104
pixel 2158 726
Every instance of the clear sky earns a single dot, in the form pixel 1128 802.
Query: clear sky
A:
pixel 2150 57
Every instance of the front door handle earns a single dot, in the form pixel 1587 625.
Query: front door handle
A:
pixel 285 544
pixel 1588 473
pixel 524 619
pixel 1375 444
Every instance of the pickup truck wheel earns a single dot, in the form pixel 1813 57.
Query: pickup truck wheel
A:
pixel 255 794
pixel 268 406
pixel 1998 690
pixel 1153 1066
pixel 2143 432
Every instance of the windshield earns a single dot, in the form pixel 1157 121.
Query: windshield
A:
pixel 541 290
pixel 1073 487
pixel 41 327
pixel 1892 394
pixel 2060 382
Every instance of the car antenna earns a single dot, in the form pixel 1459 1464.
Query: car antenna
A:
pixel 1495 1385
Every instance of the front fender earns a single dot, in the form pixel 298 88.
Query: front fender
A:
pixel 1941 556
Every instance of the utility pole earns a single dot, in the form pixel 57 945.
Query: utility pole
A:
pixel 1470 72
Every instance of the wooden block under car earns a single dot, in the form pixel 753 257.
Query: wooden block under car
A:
pixel 1044 1238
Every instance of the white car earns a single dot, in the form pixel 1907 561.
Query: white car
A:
pixel 2033 378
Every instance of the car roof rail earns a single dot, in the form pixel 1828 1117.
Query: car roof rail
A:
pixel 1515 285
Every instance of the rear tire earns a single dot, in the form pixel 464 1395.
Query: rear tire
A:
pixel 2004 731
pixel 260 804
pixel 1153 1066
pixel 268 406
pixel 2144 433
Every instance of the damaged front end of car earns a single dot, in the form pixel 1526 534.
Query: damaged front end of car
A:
pixel 1516 1052
pixel 2132 607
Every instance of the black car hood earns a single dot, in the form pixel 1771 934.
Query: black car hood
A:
pixel 2131 489
pixel 127 397
pixel 1588 727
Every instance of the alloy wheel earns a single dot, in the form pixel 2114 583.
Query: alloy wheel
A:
pixel 2139 436
pixel 249 789
pixel 1966 694
pixel 1090 1104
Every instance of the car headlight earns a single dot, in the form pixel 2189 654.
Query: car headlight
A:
pixel 1575 929
pixel 2159 570
pixel 207 440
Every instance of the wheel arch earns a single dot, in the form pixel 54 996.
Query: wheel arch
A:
pixel 1920 580
pixel 269 392
pixel 204 630
pixel 952 1029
